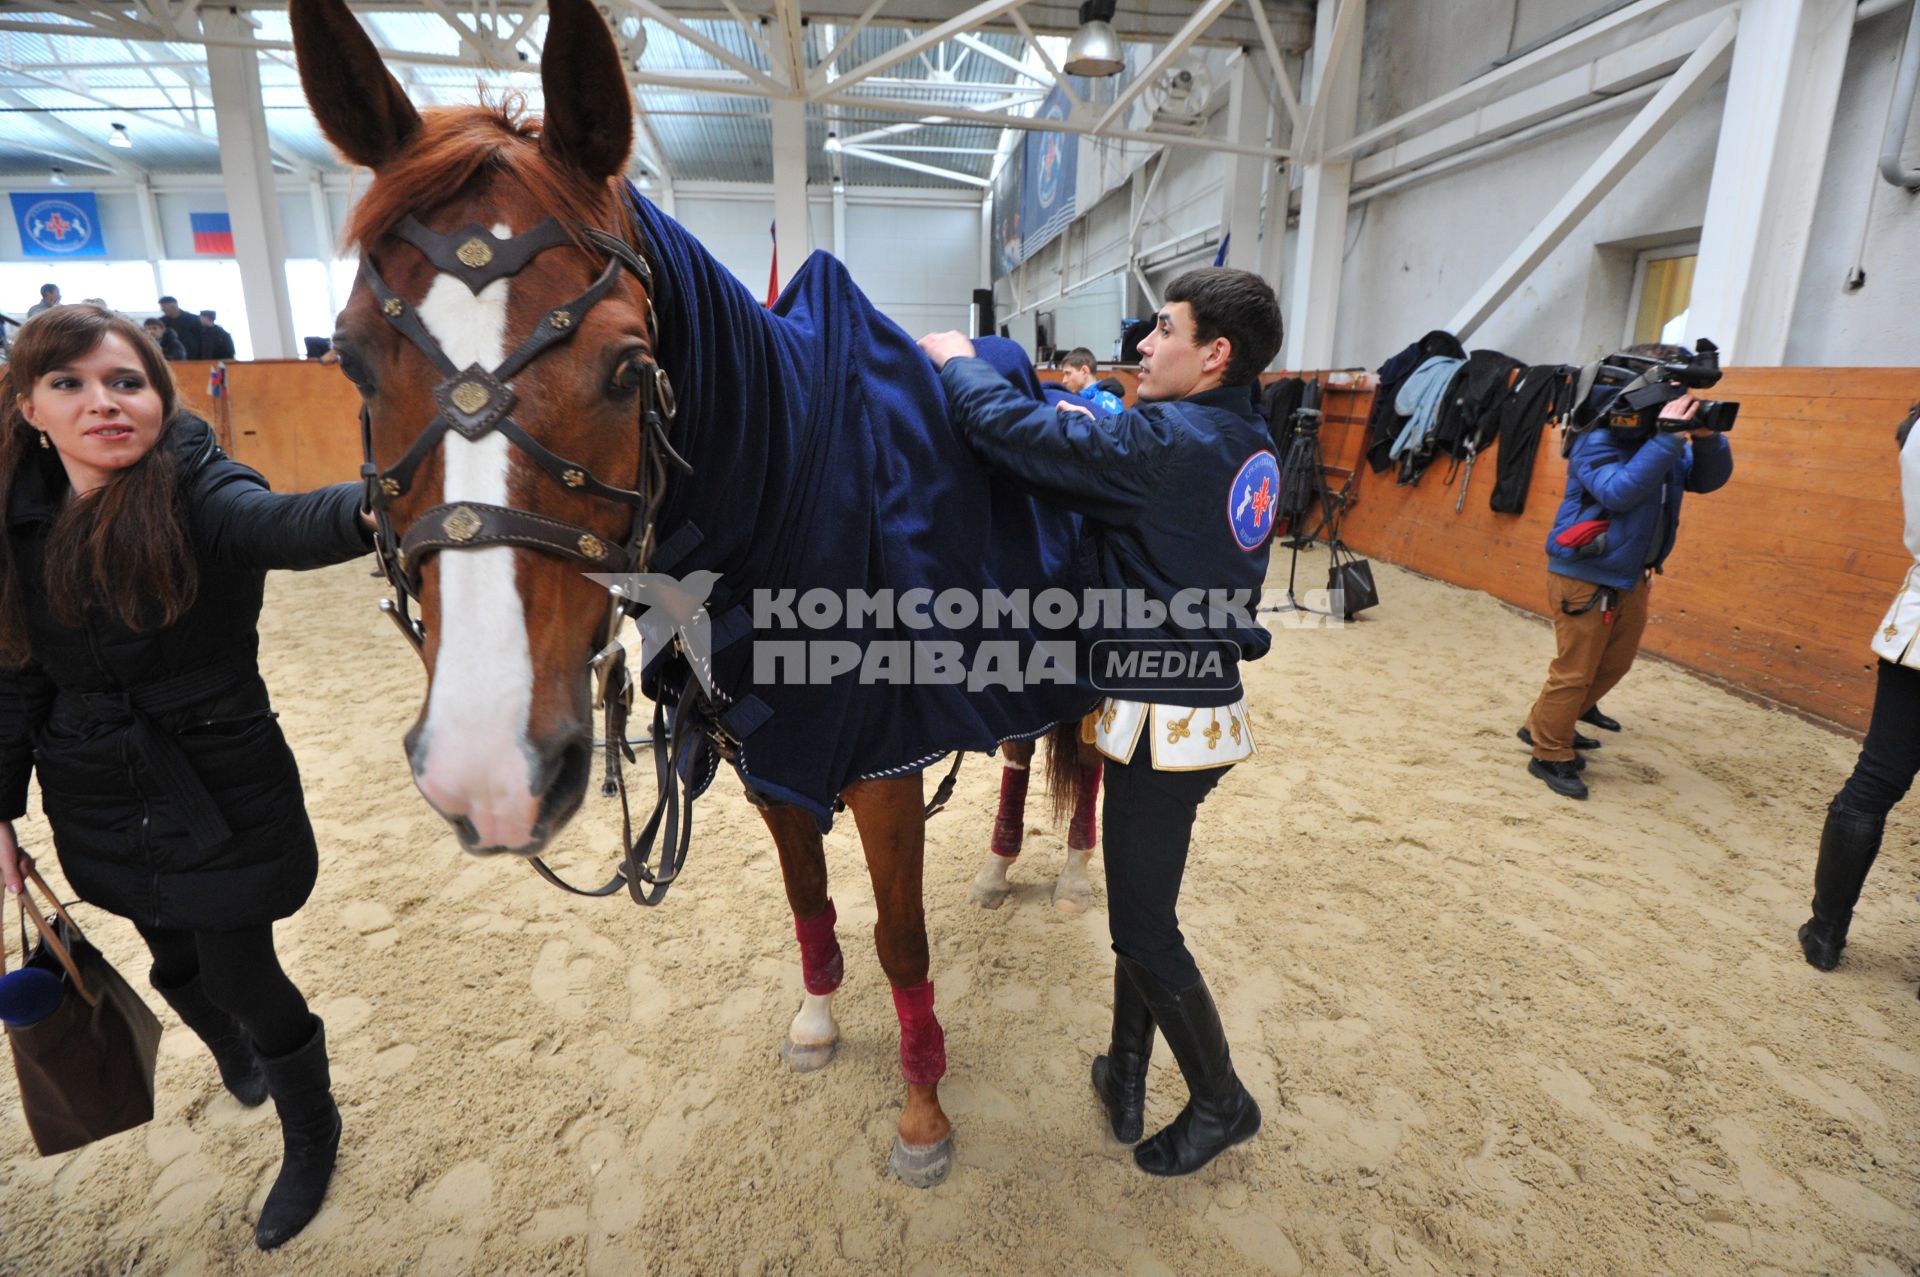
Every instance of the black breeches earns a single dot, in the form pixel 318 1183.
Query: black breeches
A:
pixel 1148 821
pixel 1890 756
pixel 241 973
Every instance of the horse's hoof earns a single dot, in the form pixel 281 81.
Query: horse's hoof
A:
pixel 806 1059
pixel 990 897
pixel 921 1165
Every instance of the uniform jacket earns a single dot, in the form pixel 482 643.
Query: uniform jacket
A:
pixel 173 797
pixel 1636 482
pixel 1155 485
pixel 1895 639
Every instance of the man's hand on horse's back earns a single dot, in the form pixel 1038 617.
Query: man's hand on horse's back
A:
pixel 941 347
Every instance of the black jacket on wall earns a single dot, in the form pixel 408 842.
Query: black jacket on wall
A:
pixel 173 797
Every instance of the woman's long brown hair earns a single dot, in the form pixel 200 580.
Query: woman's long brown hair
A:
pixel 125 550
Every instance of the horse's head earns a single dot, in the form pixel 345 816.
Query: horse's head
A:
pixel 500 334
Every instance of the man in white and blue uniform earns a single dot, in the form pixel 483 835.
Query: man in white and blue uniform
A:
pixel 1177 496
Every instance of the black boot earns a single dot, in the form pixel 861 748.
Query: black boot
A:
pixel 233 1051
pixel 1120 1076
pixel 1219 1112
pixel 1600 720
pixel 310 1125
pixel 1848 845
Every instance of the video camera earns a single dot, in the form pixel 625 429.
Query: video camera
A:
pixel 1629 392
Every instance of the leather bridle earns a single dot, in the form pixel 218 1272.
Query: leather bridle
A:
pixel 475 402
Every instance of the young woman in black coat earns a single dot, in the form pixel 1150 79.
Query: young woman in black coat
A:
pixel 132 562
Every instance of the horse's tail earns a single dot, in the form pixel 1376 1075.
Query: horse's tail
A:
pixel 1064 773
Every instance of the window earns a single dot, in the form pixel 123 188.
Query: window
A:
pixel 1662 294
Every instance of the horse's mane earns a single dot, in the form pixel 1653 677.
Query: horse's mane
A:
pixel 460 146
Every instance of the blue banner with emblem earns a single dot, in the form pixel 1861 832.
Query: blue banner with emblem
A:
pixel 1047 186
pixel 58 224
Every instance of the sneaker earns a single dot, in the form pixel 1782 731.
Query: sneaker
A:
pixel 1600 720
pixel 1562 778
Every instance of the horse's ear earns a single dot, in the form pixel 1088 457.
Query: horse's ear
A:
pixel 589 112
pixel 361 107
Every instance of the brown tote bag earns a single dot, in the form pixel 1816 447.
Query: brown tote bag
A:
pixel 86 1070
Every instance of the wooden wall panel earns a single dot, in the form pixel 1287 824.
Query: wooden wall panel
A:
pixel 1779 578
pixel 295 421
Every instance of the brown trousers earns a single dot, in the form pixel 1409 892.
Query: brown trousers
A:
pixel 1592 656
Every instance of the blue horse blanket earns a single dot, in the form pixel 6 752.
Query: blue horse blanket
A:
pixel 823 459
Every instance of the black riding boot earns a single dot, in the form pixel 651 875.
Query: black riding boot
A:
pixel 1848 846
pixel 310 1124
pixel 232 1049
pixel 1120 1076
pixel 1219 1112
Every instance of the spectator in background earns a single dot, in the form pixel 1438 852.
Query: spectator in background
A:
pixel 165 338
pixel 1078 372
pixel 186 327
pixel 216 342
pixel 49 298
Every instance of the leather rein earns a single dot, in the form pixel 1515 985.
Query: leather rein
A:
pixel 476 401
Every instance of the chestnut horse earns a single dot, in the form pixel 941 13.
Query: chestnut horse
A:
pixel 499 417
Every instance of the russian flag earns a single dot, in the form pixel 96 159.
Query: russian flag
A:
pixel 212 234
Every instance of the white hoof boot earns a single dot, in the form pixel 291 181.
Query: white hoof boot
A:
pixel 990 885
pixel 813 1037
pixel 1072 894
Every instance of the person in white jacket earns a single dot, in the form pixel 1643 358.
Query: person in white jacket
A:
pixel 1890 756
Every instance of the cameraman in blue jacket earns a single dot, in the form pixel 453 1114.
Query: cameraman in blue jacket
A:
pixel 1615 527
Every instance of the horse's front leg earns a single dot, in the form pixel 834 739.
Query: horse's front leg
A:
pixel 893 832
pixel 813 1035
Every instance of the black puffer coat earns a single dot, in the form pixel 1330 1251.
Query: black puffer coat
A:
pixel 173 797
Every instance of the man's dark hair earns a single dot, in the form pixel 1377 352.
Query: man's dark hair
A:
pixel 165 300
pixel 151 320
pixel 1079 357
pixel 207 315
pixel 49 288
pixel 1237 305
pixel 1660 350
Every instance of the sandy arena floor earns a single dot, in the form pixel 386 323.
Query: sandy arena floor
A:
pixel 1493 1031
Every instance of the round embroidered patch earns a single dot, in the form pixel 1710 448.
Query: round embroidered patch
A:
pixel 1250 502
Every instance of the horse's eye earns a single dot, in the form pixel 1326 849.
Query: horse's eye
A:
pixel 355 368
pixel 630 375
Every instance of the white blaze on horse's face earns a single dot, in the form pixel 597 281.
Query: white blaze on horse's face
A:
pixel 472 760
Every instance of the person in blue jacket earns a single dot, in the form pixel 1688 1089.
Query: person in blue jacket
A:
pixel 1177 496
pixel 1080 373
pixel 1614 530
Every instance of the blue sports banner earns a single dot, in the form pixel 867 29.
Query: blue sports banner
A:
pixel 58 224
pixel 1006 212
pixel 1047 188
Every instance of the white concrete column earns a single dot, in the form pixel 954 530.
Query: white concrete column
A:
pixel 1249 114
pixel 791 230
pixel 246 168
pixel 1781 94
pixel 840 222
pixel 323 235
pixel 1313 291
pixel 150 235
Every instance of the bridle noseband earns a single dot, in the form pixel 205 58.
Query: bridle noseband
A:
pixel 475 402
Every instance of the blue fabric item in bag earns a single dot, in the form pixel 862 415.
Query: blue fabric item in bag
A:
pixel 823 459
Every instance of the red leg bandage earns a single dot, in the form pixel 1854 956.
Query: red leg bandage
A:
pixel 821 964
pixel 923 1047
pixel 1081 832
pixel 1011 821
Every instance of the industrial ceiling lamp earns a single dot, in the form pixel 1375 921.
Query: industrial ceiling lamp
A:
pixel 119 137
pixel 57 175
pixel 832 146
pixel 1095 47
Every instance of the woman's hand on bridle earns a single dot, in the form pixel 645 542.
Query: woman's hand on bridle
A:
pixel 12 859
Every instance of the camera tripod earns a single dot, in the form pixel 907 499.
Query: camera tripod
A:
pixel 1304 487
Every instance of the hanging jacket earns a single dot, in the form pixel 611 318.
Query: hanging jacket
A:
pixel 1540 396
pixel 1419 400
pixel 1383 422
pixel 1470 417
pixel 1636 481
